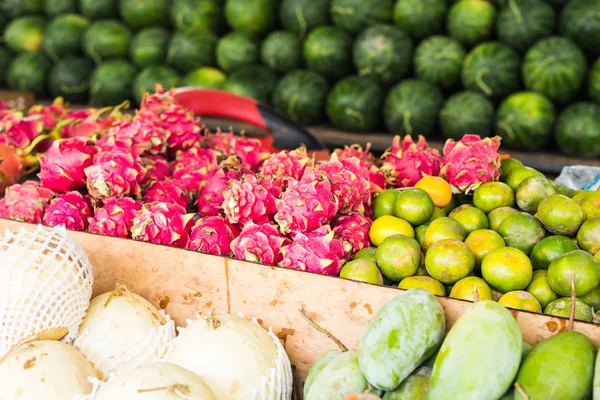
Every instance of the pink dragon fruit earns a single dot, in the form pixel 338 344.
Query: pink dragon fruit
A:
pixel 377 179
pixel 213 235
pixel 111 141
pixel 364 155
pixel 72 210
pixel 114 174
pixel 192 166
pixel 306 204
pixel 353 231
pixel 286 163
pixel 147 136
pixel 470 162
pixel 219 142
pixel 210 198
pixel 250 151
pixel 91 122
pixel 157 169
pixel 349 182
pixel 62 167
pixel 115 217
pixel 26 202
pixel 317 251
pixel 248 200
pixel 165 191
pixel 404 166
pixel 19 131
pixel 260 243
pixel 49 115
pixel 161 223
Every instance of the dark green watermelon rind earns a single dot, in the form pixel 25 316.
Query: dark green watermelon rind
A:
pixel 235 50
pixel 281 51
pixel 354 15
pixel 580 22
pixel 198 15
pixel 70 79
pixel 149 47
pixel 302 16
pixel 253 81
pixel 256 17
pixel 466 113
pixel 54 8
pixel 421 18
pixel 106 39
pixel 301 95
pixel 139 14
pixel 189 50
pixel 328 51
pixel 471 21
pixel 29 72
pixel 62 36
pixel 99 9
pixel 354 104
pixel 578 130
pixel 146 80
pixel 111 83
pixel 439 60
pixel 594 82
pixel 521 24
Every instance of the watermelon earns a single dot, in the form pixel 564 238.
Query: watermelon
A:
pixel 471 21
pixel 282 51
pixel 99 9
pixel 524 121
pixel 54 8
pixel 149 47
pixel 252 81
pixel 464 113
pixel 492 68
pixel 236 49
pixel 328 51
pixel 139 14
pixel 438 60
pixel 580 22
pixel 146 80
pixel 6 57
pixel 198 15
pixel 106 39
pixel 578 130
pixel 19 8
pixel 523 23
pixel 383 52
pixel 354 104
pixel 63 35
pixel 420 18
pixel 24 34
pixel 412 107
pixel 29 72
pixel 70 79
pixel 111 83
pixel 556 68
pixel 205 77
pixel 558 3
pixel 355 15
pixel 302 16
pixel 189 50
pixel 255 17
pixel 594 82
pixel 3 21
pixel 301 96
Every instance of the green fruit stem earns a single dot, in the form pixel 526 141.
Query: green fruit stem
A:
pixel 322 330
pixel 521 391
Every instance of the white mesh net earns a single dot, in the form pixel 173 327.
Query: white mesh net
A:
pixel 109 357
pixel 45 282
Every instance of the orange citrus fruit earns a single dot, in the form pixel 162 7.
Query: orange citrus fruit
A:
pixel 437 188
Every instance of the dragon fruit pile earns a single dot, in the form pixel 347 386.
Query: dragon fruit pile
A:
pixel 158 176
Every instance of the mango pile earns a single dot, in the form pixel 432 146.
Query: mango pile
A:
pixel 524 241
pixel 405 354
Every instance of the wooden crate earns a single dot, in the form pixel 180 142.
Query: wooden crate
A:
pixel 185 283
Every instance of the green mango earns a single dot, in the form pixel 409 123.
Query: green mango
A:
pixel 559 368
pixel 480 356
pixel 318 367
pixel 596 389
pixel 404 333
pixel 415 387
pixel 337 378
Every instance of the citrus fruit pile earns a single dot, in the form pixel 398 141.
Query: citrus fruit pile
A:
pixel 524 241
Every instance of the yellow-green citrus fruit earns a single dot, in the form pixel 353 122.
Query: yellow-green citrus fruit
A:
pixel 465 288
pixel 414 206
pixel 577 268
pixel 398 256
pixel 498 215
pixel 482 241
pixel 560 215
pixel 540 288
pixel 362 270
pixel 384 203
pixel 449 260
pixel 389 225
pixel 441 229
pixel 549 249
pixel 520 300
pixel 532 191
pixel 492 195
pixel 507 269
pixel 423 282
pixel 521 231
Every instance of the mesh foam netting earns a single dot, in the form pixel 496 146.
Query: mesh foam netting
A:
pixel 45 282
pixel 110 358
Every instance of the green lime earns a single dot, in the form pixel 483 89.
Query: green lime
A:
pixel 451 206
pixel 561 189
pixel 577 268
pixel 592 299
pixel 562 308
pixel 560 215
pixel 414 206
pixel 518 175
pixel 367 253
pixel 398 257
pixel 532 191
pixel 423 282
pixel 507 165
pixel 507 269
pixel 422 271
pixel 492 195
pixel 590 206
pixel 437 213
pixel 362 270
pixel 420 232
pixel 549 249
pixel 498 215
pixel 384 203
pixel 448 261
pixel 470 218
pixel 588 235
pixel 520 300
pixel 443 228
pixel 540 288
pixel 465 289
pixel 482 241
pixel 389 225
pixel 522 231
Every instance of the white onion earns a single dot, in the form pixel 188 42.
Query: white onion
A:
pixel 44 369
pixel 121 331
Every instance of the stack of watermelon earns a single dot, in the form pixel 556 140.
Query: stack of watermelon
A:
pixel 526 70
